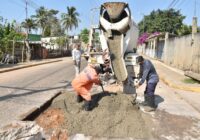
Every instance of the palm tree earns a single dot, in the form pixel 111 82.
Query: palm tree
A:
pixel 70 19
pixel 41 18
pixel 29 24
pixel 44 18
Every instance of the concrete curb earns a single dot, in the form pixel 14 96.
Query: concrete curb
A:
pixel 173 85
pixel 27 66
pixel 170 83
pixel 35 112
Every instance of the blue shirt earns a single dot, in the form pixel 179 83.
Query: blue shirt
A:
pixel 148 73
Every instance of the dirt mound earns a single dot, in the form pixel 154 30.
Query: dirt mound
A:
pixel 51 118
pixel 113 115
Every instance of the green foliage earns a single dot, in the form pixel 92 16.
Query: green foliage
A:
pixel 29 24
pixel 184 30
pixel 61 41
pixel 45 19
pixel 56 29
pixel 47 31
pixel 70 19
pixel 169 20
pixel 198 29
pixel 85 35
pixel 191 81
pixel 7 35
pixel 96 37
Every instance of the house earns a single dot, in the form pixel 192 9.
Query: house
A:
pixel 154 45
pixel 37 51
pixel 56 46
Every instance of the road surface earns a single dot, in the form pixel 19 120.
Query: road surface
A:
pixel 26 89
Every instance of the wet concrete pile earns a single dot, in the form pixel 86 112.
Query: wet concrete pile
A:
pixel 113 115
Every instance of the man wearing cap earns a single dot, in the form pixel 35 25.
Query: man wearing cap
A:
pixel 148 73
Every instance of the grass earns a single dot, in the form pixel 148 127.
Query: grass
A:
pixel 190 81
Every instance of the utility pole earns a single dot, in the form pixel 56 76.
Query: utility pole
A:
pixel 194 22
pixel 28 53
pixel 26 8
pixel 195 8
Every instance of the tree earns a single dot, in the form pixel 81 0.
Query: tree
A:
pixel 185 30
pixel 56 29
pixel 29 24
pixel 61 41
pixel 8 34
pixel 85 35
pixel 45 18
pixel 70 19
pixel 47 31
pixel 162 21
pixel 41 18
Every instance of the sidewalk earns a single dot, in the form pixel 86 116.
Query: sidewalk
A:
pixel 174 77
pixel 11 67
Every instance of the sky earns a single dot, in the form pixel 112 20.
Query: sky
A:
pixel 15 9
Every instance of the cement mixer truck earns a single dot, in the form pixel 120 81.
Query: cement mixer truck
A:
pixel 118 36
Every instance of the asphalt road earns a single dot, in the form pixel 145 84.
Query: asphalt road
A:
pixel 26 89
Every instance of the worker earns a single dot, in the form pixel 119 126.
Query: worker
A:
pixel 148 73
pixel 83 83
pixel 76 56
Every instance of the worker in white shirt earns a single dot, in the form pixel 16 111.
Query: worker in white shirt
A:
pixel 76 56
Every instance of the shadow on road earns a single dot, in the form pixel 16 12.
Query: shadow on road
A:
pixel 158 100
pixel 30 91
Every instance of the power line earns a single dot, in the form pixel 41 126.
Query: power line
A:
pixel 31 4
pixel 176 3
pixel 171 4
pixel 16 3
pixel 35 5
pixel 181 3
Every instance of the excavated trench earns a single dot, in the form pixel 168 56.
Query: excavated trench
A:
pixel 113 116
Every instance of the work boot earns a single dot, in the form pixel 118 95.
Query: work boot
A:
pixel 150 104
pixel 144 103
pixel 87 106
pixel 79 99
